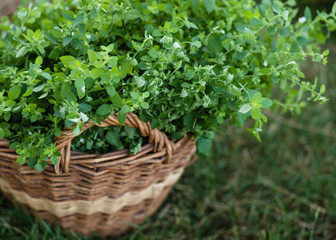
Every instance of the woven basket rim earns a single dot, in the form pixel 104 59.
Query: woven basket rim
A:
pixel 81 157
pixel 78 154
pixel 156 139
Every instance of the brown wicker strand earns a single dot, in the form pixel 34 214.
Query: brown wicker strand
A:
pixel 155 136
pixel 4 143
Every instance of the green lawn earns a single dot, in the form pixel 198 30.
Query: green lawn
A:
pixel 282 188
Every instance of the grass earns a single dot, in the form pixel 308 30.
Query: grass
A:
pixel 282 188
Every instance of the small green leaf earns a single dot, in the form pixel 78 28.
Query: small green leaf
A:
pixel 215 43
pixel 68 15
pixel 28 92
pixel 184 93
pixel 54 54
pixel 54 160
pixel 132 14
pixel 122 115
pixel 67 60
pixel 104 110
pixel 266 103
pixel 21 52
pixel 117 101
pixel 219 88
pixel 36 13
pixel 300 93
pixel 140 81
pixel 235 91
pixel 113 139
pixel 43 95
pixel 84 107
pixel 79 83
pixel 190 25
pixel 275 79
pixel 76 130
pixel 245 108
pixel 46 75
pixel 209 5
pixel 285 15
pixel 320 38
pixel 308 13
pixel 255 22
pixel 189 120
pixel 21 160
pixel 276 8
pixel 57 132
pixel 84 117
pixel 39 88
pixel 79 18
pixel 255 114
pixel 322 89
pixel 22 14
pixel 135 45
pixel 131 132
pixel 197 44
pixel 257 97
pixel 66 40
pixel 92 56
pixel 65 90
pixel 82 28
pixel 39 60
pixel 241 27
pixel 265 71
pixel 153 53
pixel 80 87
pixel 39 167
pixel 176 135
pixel 326 52
pixel 204 146
pixel 14 92
pixel 144 105
pixel 110 91
pixel 96 73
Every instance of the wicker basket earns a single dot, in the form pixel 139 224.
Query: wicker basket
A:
pixel 104 193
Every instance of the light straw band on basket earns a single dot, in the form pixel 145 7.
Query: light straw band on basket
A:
pixel 102 205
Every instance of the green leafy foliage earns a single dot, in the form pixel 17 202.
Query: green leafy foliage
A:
pixel 185 66
pixel 98 140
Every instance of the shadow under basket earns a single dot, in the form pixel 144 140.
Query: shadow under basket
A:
pixel 98 193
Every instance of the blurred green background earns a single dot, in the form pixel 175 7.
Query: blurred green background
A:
pixel 282 188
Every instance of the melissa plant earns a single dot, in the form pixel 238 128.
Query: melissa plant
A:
pixel 186 66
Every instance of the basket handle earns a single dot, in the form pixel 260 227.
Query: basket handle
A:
pixel 159 138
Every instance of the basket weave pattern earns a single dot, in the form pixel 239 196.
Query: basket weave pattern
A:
pixel 98 193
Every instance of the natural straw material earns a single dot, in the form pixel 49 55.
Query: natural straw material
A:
pixel 104 204
pixel 103 193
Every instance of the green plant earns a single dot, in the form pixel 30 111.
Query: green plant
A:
pixel 186 66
